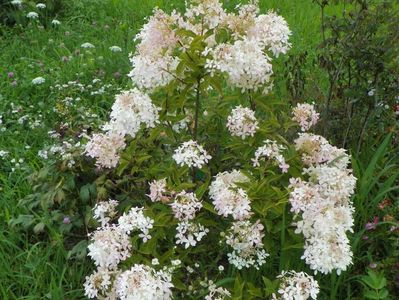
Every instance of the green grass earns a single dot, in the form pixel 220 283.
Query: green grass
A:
pixel 34 266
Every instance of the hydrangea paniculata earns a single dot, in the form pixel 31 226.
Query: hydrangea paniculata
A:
pixel 229 199
pixel 191 154
pixel 297 285
pixel 242 122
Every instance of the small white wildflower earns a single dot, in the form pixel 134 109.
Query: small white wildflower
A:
pixel 55 22
pixel 155 261
pixel 38 80
pixel 32 15
pixel 41 6
pixel 17 3
pixel 176 262
pixel 115 49
pixel 87 46
pixel 3 153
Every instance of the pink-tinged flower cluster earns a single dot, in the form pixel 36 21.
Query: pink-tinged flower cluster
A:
pixel 130 110
pixel 297 286
pixel 242 122
pixel 110 245
pixel 306 115
pixel 105 148
pixel 185 206
pixel 158 191
pixel 211 12
pixel 315 149
pixel 105 211
pixel 271 150
pixel 323 203
pixel 272 32
pixel 153 63
pixel 143 282
pixel 247 66
pixel 229 199
pixel 244 60
pixel 245 238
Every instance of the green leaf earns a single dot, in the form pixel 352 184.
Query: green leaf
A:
pixel 39 227
pixel 238 289
pixel 79 251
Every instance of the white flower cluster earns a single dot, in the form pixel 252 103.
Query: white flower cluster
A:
pixel 246 240
pixel 110 244
pixel 136 220
pixel 244 60
pixel 191 154
pixel 142 282
pixel 306 115
pixel 248 67
pixel 217 293
pixel 210 11
pixel 323 202
pixel 38 80
pixel 153 63
pixel 229 199
pixel 130 110
pixel 316 149
pixel 87 46
pixel 272 32
pixel 98 284
pixel 105 211
pixel 185 206
pixel 189 233
pixel 272 150
pixel 32 15
pixel 105 149
pixel 115 49
pixel 297 286
pixel 158 191
pixel 242 122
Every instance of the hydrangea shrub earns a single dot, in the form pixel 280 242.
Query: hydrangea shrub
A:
pixel 212 189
